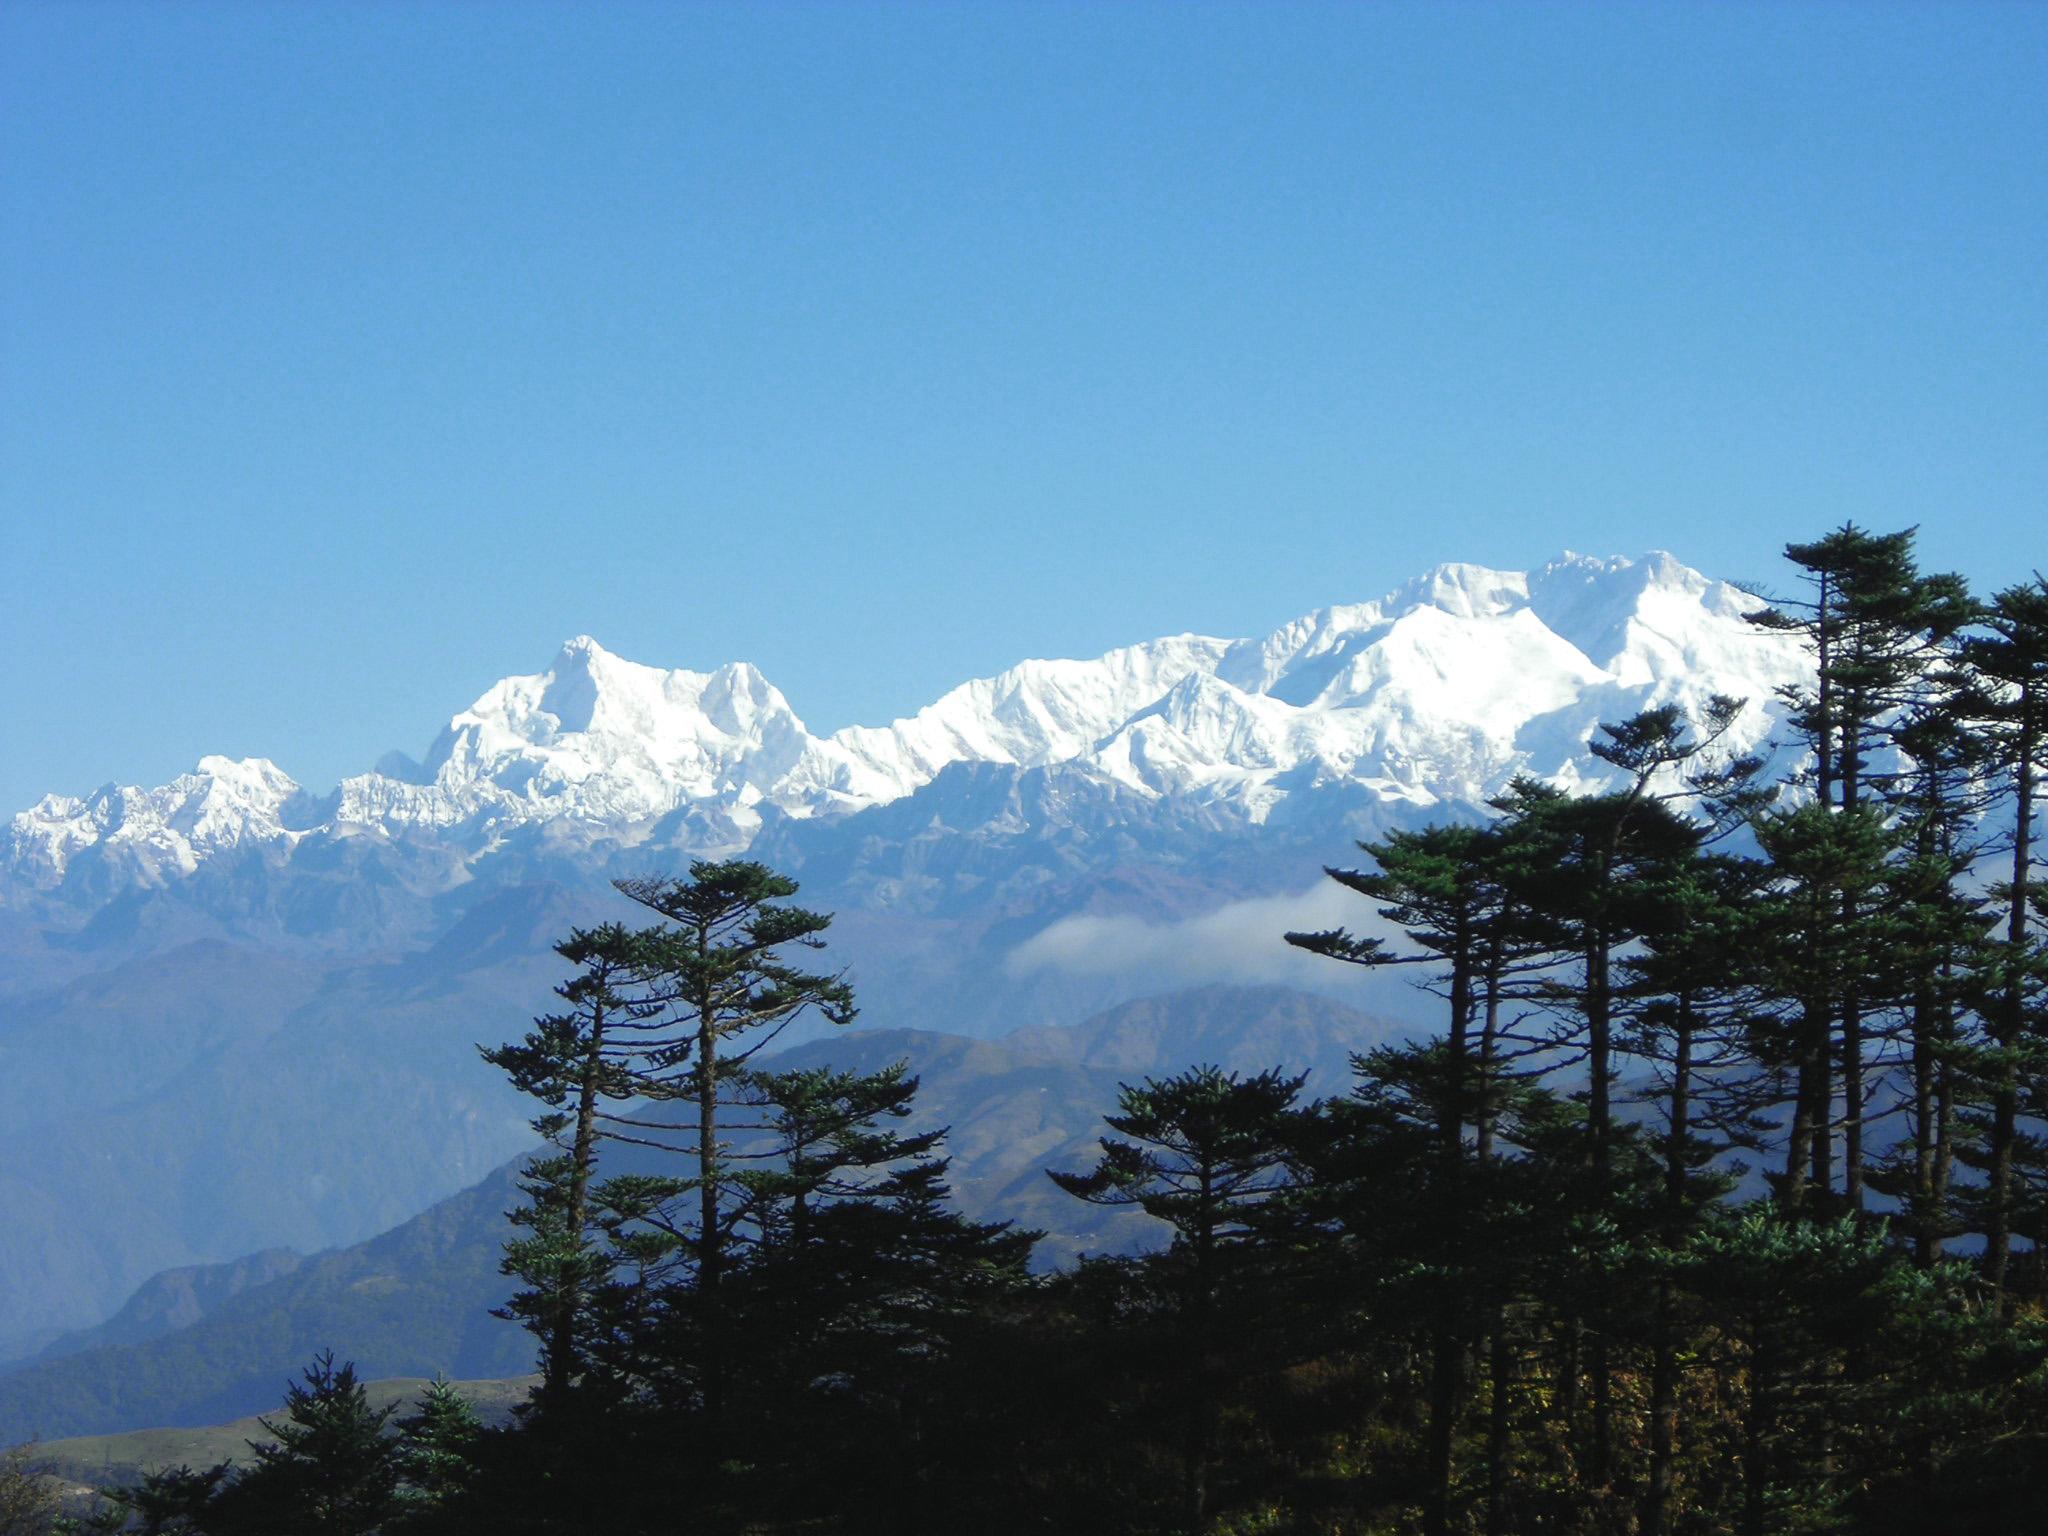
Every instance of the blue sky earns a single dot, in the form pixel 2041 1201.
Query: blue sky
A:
pixel 352 356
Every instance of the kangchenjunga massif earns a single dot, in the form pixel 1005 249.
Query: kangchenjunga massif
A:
pixel 242 1015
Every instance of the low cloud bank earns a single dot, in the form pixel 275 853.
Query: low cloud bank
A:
pixel 1239 942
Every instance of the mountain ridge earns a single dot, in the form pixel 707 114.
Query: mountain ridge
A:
pixel 1432 695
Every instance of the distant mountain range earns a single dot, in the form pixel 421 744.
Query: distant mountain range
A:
pixel 236 1014
pixel 1430 697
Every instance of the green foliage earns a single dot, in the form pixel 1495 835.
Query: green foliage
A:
pixel 575 1064
pixel 170 1501
pixel 28 1499
pixel 438 1447
pixel 1206 1148
pixel 331 1470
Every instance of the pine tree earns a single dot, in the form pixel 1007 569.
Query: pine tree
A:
pixel 852 1278
pixel 1826 936
pixel 438 1448
pixel 1880 631
pixel 171 1501
pixel 1416 1258
pixel 1452 1299
pixel 1877 625
pixel 1598 856
pixel 1453 892
pixel 841 1250
pixel 576 1063
pixel 662 1015
pixel 825 1141
pixel 1793 1298
pixel 1936 931
pixel 2010 708
pixel 1689 1000
pixel 718 971
pixel 329 1470
pixel 1441 887
pixel 1596 864
pixel 1202 1151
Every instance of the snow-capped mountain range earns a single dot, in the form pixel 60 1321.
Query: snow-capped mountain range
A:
pixel 236 1014
pixel 1434 696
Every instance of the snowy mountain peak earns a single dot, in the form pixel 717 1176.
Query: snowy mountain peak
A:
pixel 149 836
pixel 1434 694
pixel 1462 591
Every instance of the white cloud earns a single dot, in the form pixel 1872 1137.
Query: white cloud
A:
pixel 1240 942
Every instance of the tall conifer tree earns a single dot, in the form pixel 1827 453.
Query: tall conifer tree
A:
pixel 2010 706
pixel 579 1063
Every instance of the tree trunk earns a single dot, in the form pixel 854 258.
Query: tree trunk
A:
pixel 1755 1427
pixel 710 1238
pixel 1568 1388
pixel 1793 1193
pixel 1445 1368
pixel 1852 1103
pixel 1678 1127
pixel 1852 1005
pixel 1600 1061
pixel 1820 1197
pixel 1924 1237
pixel 1499 1425
pixel 1656 1511
pixel 2005 1100
pixel 1944 1131
pixel 1451 1120
pixel 1489 1053
pixel 1201 1400
pixel 1599 1366
pixel 1600 1122
pixel 1824 725
pixel 582 1155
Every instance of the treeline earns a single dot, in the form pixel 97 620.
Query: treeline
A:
pixel 1718 1203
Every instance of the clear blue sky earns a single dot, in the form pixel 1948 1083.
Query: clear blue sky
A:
pixel 352 356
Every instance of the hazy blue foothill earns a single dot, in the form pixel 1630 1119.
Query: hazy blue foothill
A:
pixel 415 1300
